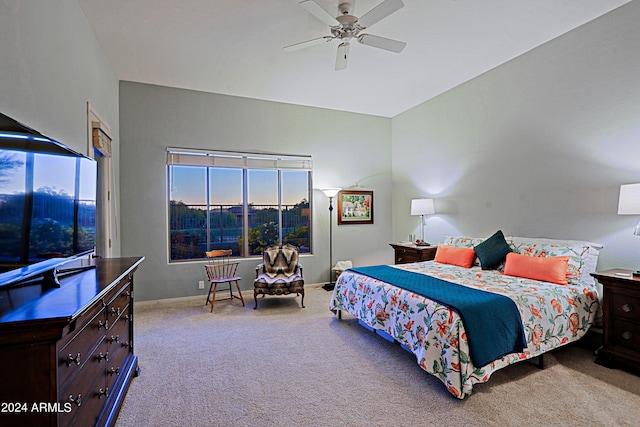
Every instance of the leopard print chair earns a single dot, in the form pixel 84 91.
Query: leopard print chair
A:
pixel 279 273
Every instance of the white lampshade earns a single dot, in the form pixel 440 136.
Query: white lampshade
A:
pixel 629 202
pixel 331 192
pixel 422 207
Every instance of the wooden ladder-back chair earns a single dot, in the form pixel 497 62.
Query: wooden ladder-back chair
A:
pixel 221 269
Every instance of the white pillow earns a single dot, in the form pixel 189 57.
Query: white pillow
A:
pixel 584 255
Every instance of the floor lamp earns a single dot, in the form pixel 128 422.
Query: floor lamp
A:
pixel 330 193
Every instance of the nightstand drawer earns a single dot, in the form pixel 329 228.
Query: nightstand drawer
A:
pixel 407 257
pixel 406 253
pixel 626 306
pixel 626 334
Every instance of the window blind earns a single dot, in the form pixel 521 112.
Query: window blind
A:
pixel 225 159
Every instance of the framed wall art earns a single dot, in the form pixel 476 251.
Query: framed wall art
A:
pixel 355 207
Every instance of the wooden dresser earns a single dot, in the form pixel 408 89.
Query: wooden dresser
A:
pixel 621 319
pixel 410 252
pixel 66 354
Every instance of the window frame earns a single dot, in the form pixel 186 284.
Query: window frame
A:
pixel 245 161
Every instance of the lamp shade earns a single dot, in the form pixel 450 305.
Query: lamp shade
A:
pixel 422 207
pixel 331 192
pixel 629 202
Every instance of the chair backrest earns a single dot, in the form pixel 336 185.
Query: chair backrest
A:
pixel 280 259
pixel 220 265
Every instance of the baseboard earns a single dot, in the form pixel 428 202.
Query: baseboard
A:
pixel 315 285
pixel 176 299
pixel 204 296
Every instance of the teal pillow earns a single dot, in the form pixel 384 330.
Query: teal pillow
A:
pixel 493 251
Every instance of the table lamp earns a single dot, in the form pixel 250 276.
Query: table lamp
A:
pixel 422 207
pixel 629 204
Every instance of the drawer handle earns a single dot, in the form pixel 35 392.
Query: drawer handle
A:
pixel 114 339
pixel 71 359
pixel 627 335
pixel 127 294
pixel 77 400
pixel 627 308
pixel 127 318
pixel 115 311
pixel 102 324
pixel 126 344
pixel 103 392
pixel 114 371
pixel 102 357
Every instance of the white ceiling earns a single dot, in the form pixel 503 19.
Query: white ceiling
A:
pixel 234 47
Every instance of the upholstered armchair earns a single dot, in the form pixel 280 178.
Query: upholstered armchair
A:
pixel 279 273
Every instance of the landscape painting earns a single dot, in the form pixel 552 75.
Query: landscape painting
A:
pixel 355 207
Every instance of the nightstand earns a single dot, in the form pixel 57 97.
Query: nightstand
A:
pixel 621 319
pixel 409 252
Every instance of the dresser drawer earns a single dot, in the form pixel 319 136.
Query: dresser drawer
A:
pixel 77 352
pixel 87 414
pixel 625 306
pixel 115 365
pixel 119 335
pixel 77 326
pixel 83 392
pixel 119 304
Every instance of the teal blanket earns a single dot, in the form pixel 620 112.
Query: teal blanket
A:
pixel 492 322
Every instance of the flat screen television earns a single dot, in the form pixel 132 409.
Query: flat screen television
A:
pixel 47 203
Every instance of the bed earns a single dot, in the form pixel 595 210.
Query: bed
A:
pixel 552 315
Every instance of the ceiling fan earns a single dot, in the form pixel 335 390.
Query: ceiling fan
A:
pixel 346 27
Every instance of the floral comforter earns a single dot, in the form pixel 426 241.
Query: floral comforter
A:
pixel 552 315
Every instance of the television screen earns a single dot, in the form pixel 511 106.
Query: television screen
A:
pixel 47 201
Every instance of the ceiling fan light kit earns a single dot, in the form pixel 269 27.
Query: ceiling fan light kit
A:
pixel 346 27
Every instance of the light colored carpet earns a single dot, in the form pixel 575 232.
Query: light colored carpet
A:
pixel 282 365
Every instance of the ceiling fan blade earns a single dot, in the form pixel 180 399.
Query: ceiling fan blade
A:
pixel 316 10
pixel 342 56
pixel 382 42
pixel 308 43
pixel 379 12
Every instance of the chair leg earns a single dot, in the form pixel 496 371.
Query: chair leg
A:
pixel 215 287
pixel 255 298
pixel 209 293
pixel 302 301
pixel 240 292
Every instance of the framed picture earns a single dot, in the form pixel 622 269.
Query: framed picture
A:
pixel 355 207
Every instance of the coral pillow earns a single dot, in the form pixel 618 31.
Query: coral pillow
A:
pixel 548 269
pixel 462 257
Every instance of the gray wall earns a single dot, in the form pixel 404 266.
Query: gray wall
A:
pixel 51 65
pixel 537 147
pixel 346 148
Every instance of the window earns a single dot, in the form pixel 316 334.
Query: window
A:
pixel 239 201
